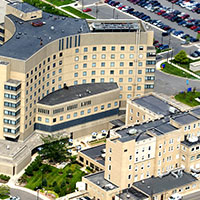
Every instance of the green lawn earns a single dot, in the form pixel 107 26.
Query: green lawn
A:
pixel 170 69
pixel 58 176
pixel 4 196
pixel 188 98
pixel 60 2
pixel 78 13
pixel 46 7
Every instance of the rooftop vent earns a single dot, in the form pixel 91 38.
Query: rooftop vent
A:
pixel 132 131
pixel 17 37
pixel 98 183
pixel 172 109
pixel 52 28
pixel 65 86
pixel 193 139
pixel 88 91
pixel 7 147
pixel 80 95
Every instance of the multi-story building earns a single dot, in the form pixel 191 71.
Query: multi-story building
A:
pixel 42 52
pixel 153 151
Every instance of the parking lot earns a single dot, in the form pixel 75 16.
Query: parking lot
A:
pixel 105 11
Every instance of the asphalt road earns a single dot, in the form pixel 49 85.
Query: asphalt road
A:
pixel 23 195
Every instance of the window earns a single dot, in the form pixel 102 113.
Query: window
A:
pixel 109 105
pixel 102 107
pixel 141 48
pixel 47 120
pixel 139 71
pixel 82 112
pixel 111 80
pixel 116 103
pixel 85 49
pixel 139 80
pixel 103 56
pixel 94 56
pixel 68 116
pixel 89 111
pixel 130 157
pixel 121 64
pixel 121 71
pixel 75 114
pixel 130 72
pixel 129 87
pixel 84 57
pixel 102 72
pixel 130 79
pixel 76 50
pixel 122 48
pixel 120 79
pixel 192 158
pixel 95 109
pixel 76 58
pixel 113 48
pixel 94 48
pixel 61 118
pixel 112 64
pixel 76 74
pixel 129 176
pixel 103 64
pixel 111 71
pixel 131 48
pixel 131 56
pixel 93 72
pixel 40 119
pixel 103 48
pixel 122 56
pixel 112 56
pixel 140 64
pixel 130 64
pixel 102 80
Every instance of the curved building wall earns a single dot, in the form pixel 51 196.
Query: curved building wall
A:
pixel 91 57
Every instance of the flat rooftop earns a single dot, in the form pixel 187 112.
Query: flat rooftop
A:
pixel 153 104
pixel 168 182
pixel 98 179
pixel 132 193
pixel 27 37
pixel 159 127
pixel 196 111
pixel 95 153
pixel 76 92
pixel 185 118
pixel 24 7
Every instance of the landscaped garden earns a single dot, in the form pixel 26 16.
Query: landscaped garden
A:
pixel 188 97
pixel 77 12
pixel 44 172
pixel 170 69
pixel 46 7
pixel 4 192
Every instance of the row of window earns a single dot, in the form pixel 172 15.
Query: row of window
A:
pixel 13 88
pixel 8 112
pixel 11 96
pixel 189 126
pixel 10 130
pixel 9 121
pixel 12 105
pixel 44 63
pixel 75 114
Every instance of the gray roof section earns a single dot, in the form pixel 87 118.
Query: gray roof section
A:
pixel 168 182
pixel 133 194
pixel 159 127
pixel 95 153
pixel 196 111
pixel 29 36
pixel 76 92
pixel 117 122
pixel 24 7
pixel 154 104
pixel 185 118
pixel 98 179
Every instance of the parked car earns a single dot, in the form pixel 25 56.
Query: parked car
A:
pixel 175 196
pixel 164 46
pixel 87 10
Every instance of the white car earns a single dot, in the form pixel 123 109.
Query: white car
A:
pixel 15 198
pixel 175 197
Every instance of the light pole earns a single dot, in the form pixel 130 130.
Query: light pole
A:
pixel 38 191
pixel 113 13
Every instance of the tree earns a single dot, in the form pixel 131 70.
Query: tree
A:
pixel 53 149
pixel 4 190
pixel 181 57
pixel 44 182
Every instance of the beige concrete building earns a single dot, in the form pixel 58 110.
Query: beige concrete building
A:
pixel 162 150
pixel 41 54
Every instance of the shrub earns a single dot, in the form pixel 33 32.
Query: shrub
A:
pixel 54 184
pixel 29 171
pixel 57 189
pixel 44 182
pixel 4 177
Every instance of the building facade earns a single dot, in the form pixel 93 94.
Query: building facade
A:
pixel 52 55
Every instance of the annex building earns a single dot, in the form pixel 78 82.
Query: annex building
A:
pixel 153 156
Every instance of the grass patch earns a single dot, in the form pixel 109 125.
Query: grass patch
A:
pixel 78 13
pixel 161 51
pixel 170 69
pixel 97 141
pixel 4 196
pixel 61 181
pixel 60 2
pixel 188 98
pixel 46 7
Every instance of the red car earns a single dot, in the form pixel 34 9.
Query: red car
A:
pixel 37 24
pixel 193 27
pixel 87 10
